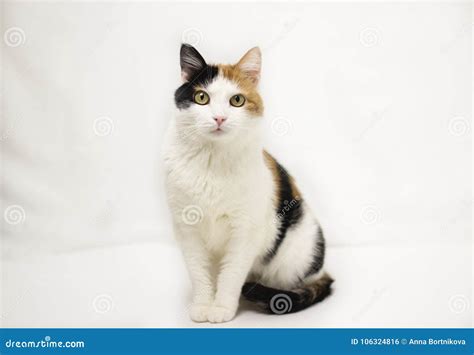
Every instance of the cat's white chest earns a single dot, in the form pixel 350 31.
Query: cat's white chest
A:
pixel 194 183
pixel 213 195
pixel 227 192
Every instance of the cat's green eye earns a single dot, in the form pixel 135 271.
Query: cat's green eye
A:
pixel 237 100
pixel 201 98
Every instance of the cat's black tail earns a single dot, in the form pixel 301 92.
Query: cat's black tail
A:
pixel 276 301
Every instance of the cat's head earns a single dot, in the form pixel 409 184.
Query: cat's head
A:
pixel 218 102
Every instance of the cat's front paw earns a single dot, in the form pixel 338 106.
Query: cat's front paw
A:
pixel 198 312
pixel 220 314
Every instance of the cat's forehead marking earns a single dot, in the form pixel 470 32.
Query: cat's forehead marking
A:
pixel 246 87
pixel 221 81
pixel 222 85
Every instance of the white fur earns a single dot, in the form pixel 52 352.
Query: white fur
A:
pixel 294 256
pixel 251 63
pixel 224 176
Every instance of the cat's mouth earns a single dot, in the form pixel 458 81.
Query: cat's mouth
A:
pixel 218 132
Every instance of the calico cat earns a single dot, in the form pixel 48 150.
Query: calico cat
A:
pixel 238 216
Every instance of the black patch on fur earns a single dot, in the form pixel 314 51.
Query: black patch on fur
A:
pixel 184 95
pixel 319 251
pixel 307 298
pixel 197 72
pixel 276 301
pixel 288 211
pixel 263 296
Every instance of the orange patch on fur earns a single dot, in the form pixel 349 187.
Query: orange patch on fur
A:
pixel 294 189
pixel 253 103
pixel 272 164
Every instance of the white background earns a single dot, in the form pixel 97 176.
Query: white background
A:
pixel 367 104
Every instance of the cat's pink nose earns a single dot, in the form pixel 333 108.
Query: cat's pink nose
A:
pixel 220 120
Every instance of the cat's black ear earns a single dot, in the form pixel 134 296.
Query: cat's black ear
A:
pixel 191 62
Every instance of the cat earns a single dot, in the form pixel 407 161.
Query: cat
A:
pixel 238 216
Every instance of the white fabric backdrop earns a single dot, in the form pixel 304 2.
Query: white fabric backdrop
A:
pixel 368 94
pixel 368 105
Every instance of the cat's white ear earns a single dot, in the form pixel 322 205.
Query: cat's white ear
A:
pixel 191 62
pixel 251 64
